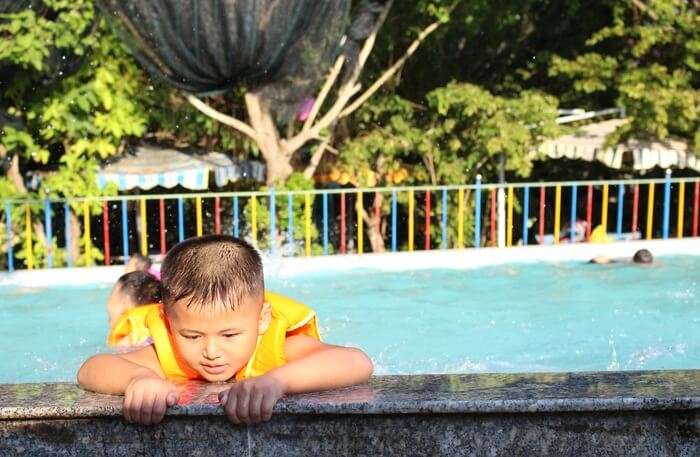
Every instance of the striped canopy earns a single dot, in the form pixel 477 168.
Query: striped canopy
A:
pixel 148 166
pixel 589 144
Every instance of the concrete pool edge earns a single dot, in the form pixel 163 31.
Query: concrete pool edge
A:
pixel 288 267
pixel 584 407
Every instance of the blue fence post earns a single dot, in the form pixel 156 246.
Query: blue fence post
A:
pixel 620 207
pixel 49 232
pixel 125 230
pixel 393 220
pixel 444 219
pixel 236 224
pixel 572 222
pixel 180 219
pixel 273 222
pixel 10 235
pixel 67 228
pixel 667 202
pixel 325 223
pixel 526 213
pixel 290 224
pixel 477 213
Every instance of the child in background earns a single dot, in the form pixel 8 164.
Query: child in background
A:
pixel 131 290
pixel 215 325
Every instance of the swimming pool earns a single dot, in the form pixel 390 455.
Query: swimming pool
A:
pixel 508 318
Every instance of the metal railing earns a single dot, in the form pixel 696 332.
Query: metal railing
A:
pixel 328 221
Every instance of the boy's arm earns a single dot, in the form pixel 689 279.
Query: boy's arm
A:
pixel 313 366
pixel 112 373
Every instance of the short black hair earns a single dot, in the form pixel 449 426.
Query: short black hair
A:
pixel 643 256
pixel 212 270
pixel 141 262
pixel 141 287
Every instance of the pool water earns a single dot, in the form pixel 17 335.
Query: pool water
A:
pixel 512 318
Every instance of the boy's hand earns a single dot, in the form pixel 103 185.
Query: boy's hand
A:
pixel 251 400
pixel 146 398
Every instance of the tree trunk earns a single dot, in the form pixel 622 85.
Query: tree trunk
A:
pixel 15 178
pixel 277 157
pixel 373 225
pixel 75 236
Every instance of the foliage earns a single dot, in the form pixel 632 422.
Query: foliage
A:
pixel 464 131
pixel 647 59
pixel 462 134
pixel 68 124
pixel 484 84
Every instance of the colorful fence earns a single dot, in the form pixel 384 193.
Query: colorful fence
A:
pixel 329 221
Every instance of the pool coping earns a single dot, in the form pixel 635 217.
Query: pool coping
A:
pixel 400 394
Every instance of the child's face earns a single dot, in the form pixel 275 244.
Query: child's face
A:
pixel 220 342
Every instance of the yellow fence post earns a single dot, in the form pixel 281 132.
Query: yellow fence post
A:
pixel 557 213
pixel 28 236
pixel 681 208
pixel 411 204
pixel 254 218
pixel 307 222
pixel 360 224
pixel 604 209
pixel 144 227
pixel 650 210
pixel 460 219
pixel 198 215
pixel 86 233
pixel 509 218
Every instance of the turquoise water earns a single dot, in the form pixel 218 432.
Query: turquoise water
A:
pixel 512 318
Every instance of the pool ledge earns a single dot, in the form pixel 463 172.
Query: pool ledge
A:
pixel 613 413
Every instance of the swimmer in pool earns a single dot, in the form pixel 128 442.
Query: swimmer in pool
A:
pixel 642 256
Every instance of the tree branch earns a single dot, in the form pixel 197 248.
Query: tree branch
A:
pixel 392 70
pixel 645 9
pixel 223 118
pixel 304 136
pixel 324 92
pixel 346 91
pixel 315 160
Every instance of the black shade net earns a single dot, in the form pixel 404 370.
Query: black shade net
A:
pixel 279 48
pixel 14 6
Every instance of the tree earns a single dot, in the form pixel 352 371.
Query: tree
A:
pixel 647 61
pixel 462 133
pixel 60 126
pixel 263 128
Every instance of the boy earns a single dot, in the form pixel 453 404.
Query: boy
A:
pixel 131 290
pixel 215 325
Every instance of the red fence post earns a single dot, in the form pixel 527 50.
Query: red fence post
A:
pixel 105 232
pixel 696 203
pixel 492 217
pixel 427 220
pixel 635 209
pixel 217 215
pixel 543 202
pixel 589 212
pixel 342 223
